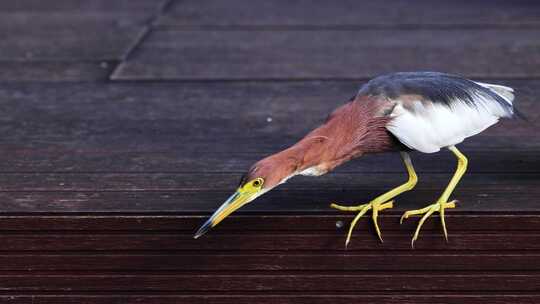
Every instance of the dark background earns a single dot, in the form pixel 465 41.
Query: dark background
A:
pixel 125 123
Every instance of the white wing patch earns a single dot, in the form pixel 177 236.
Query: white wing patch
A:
pixel 428 127
pixel 507 93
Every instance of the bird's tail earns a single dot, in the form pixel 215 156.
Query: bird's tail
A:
pixel 507 93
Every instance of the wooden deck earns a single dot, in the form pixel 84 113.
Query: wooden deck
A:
pixel 125 123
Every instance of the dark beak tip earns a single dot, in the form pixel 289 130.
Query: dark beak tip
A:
pixel 198 234
pixel 210 222
pixel 204 228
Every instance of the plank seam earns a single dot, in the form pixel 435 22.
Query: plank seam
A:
pixel 143 34
pixel 395 27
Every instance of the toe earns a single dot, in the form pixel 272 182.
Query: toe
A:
pixel 451 204
pixel 347 208
pixel 335 206
pixel 387 205
pixel 403 217
pixel 421 223
pixel 374 217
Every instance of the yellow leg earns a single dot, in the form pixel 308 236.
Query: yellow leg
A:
pixel 383 201
pixel 442 203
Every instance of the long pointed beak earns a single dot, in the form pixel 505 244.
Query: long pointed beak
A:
pixel 237 200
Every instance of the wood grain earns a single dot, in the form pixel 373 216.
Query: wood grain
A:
pixel 110 28
pixel 279 298
pixel 225 182
pixel 165 128
pixel 266 54
pixel 282 243
pixel 279 201
pixel 311 14
pixel 193 282
pixel 462 222
pixel 68 40
pixel 413 261
pixel 54 71
pixel 103 182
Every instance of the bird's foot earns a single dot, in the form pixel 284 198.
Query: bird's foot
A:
pixel 374 205
pixel 439 206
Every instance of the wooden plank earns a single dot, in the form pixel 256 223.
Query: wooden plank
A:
pixel 100 43
pixel 414 261
pixel 352 14
pixel 45 19
pixel 128 128
pixel 458 220
pixel 330 54
pixel 278 201
pixel 46 71
pixel 218 109
pixel 207 110
pixel 69 6
pixel 86 182
pixel 514 298
pixel 441 298
pixel 282 243
pixel 497 282
pixel 64 159
pixel 205 192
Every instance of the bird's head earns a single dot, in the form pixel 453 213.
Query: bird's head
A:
pixel 259 179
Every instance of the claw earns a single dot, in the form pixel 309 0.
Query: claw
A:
pixel 420 224
pixel 374 216
pixel 364 208
pixel 443 223
pixel 376 208
pixel 444 206
pixel 413 212
pixel 427 212
pixel 404 217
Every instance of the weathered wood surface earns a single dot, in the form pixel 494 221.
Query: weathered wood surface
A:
pixel 155 147
pixel 68 40
pixel 280 201
pixel 54 71
pixel 279 298
pixel 329 54
pixel 262 263
pixel 168 128
pixel 315 14
pixel 103 182
pixel 343 282
pixel 185 223
pixel 175 241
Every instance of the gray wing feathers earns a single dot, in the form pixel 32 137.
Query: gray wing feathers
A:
pixel 442 89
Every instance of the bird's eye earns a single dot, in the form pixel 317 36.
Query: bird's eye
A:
pixel 258 182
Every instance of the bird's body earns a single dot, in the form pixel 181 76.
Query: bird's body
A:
pixel 435 110
pixel 423 111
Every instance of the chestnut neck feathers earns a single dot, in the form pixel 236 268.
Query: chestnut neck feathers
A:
pixel 353 129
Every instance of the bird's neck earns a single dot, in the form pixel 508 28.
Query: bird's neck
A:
pixel 306 156
pixel 351 130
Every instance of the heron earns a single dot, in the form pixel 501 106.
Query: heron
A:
pixel 399 112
